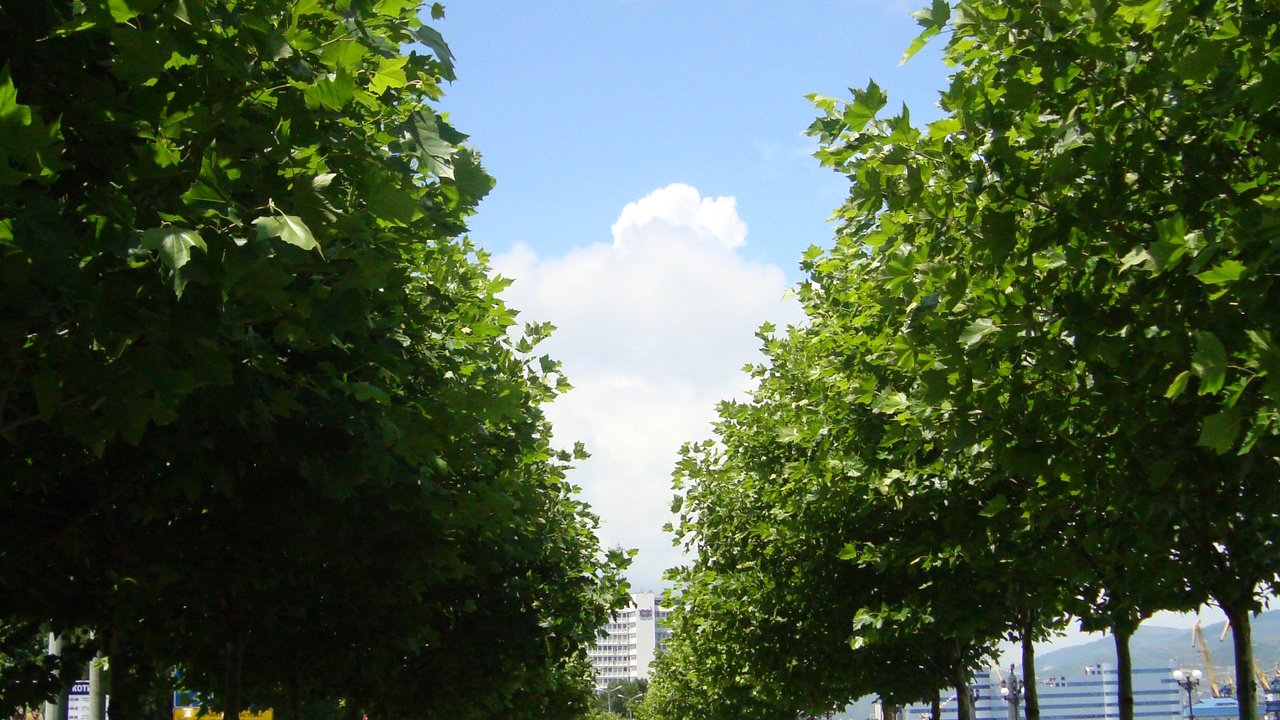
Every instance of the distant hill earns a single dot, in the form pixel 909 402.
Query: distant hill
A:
pixel 1154 646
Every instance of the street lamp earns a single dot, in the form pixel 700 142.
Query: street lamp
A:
pixel 609 691
pixel 629 700
pixel 1011 691
pixel 1186 682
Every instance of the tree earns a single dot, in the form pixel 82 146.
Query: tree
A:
pixel 1075 217
pixel 1045 310
pixel 253 380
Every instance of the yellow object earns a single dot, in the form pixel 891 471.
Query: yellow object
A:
pixel 1197 638
pixel 193 713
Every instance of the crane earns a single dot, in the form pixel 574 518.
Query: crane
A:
pixel 1197 639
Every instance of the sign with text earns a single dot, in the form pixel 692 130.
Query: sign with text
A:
pixel 78 701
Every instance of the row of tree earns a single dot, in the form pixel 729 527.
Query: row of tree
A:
pixel 1039 376
pixel 265 430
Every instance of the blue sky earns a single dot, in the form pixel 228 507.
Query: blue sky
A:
pixel 580 107
pixel 655 192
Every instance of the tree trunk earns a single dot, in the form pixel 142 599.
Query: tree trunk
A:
pixel 1029 697
pixel 126 684
pixel 1124 670
pixel 935 707
pixel 97 690
pixel 1242 638
pixel 960 679
pixel 232 702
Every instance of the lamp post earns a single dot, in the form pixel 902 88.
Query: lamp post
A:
pixel 609 691
pixel 1186 682
pixel 629 700
pixel 1011 691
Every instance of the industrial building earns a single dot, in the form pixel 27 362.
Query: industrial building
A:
pixel 1087 693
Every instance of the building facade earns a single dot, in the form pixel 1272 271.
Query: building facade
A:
pixel 1088 693
pixel 629 642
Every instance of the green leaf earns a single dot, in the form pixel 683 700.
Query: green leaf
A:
pixel 1219 432
pixel 1227 272
pixel 1137 256
pixel 866 103
pixel 288 228
pixel 1269 200
pixel 333 91
pixel 993 508
pixel 123 10
pixel 430 37
pixel 943 128
pixel 918 43
pixel 976 331
pixel 890 403
pixel 1149 15
pixel 365 392
pixel 174 244
pixel 1179 385
pixel 1198 66
pixel 436 152
pixel 933 19
pixel 29 148
pixel 344 55
pixel 1209 362
pixel 390 74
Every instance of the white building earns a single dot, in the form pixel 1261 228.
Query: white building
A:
pixel 1089 693
pixel 630 641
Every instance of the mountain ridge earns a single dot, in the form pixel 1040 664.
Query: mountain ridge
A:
pixel 1157 646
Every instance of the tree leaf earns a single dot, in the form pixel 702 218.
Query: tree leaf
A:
pixel 976 331
pixel 432 38
pixel 866 103
pixel 173 243
pixel 993 508
pixel 288 228
pixel 1179 385
pixel 1227 272
pixel 1209 362
pixel 1220 431
pixel 390 74
pixel 918 43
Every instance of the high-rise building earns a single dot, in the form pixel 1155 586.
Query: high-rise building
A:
pixel 629 642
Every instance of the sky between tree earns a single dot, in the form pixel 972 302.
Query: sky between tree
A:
pixel 655 193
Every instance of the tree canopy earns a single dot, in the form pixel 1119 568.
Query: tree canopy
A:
pixel 263 418
pixel 1036 375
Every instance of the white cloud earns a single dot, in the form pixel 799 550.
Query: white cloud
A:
pixel 678 211
pixel 653 330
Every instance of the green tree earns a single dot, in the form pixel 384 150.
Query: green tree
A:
pixel 254 381
pixel 1086 236
pixel 1045 311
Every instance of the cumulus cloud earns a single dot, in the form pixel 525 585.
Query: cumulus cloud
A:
pixel 653 329
pixel 679 212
